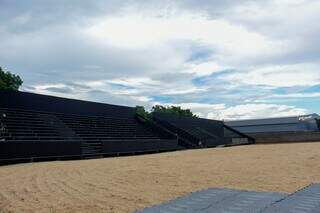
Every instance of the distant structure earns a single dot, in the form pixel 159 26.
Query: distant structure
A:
pixel 280 124
pixel 282 129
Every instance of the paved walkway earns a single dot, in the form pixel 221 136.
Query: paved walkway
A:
pixel 216 200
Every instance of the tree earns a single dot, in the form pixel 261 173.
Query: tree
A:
pixel 9 81
pixel 143 113
pixel 164 109
pixel 177 110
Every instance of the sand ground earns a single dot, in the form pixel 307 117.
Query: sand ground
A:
pixel 125 184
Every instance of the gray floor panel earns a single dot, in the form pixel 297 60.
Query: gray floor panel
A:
pixel 306 200
pixel 245 202
pixel 193 202
pixel 217 200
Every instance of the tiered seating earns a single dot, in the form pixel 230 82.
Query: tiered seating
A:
pixel 92 127
pixel 35 134
pixel 200 132
pixel 19 125
pixel 196 131
pixel 25 134
pixel 95 131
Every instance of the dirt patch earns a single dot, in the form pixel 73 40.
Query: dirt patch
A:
pixel 126 184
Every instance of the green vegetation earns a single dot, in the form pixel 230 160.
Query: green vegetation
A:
pixel 164 109
pixel 143 113
pixel 173 110
pixel 9 81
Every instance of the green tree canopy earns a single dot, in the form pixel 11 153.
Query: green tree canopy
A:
pixel 177 110
pixel 9 81
pixel 142 112
pixel 164 109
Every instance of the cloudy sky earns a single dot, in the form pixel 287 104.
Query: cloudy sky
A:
pixel 224 59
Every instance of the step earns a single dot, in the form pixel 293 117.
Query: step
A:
pixel 91 143
pixel 91 151
pixel 93 156
pixel 39 141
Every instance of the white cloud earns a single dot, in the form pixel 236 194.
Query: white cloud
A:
pixel 200 109
pixel 278 76
pixel 248 111
pixel 135 82
pixel 242 111
pixel 297 95
pixel 138 31
pixel 203 69
pixel 176 91
pixel 96 84
pixel 283 19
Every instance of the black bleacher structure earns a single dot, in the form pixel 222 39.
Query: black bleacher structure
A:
pixel 37 126
pixel 34 126
pixel 199 132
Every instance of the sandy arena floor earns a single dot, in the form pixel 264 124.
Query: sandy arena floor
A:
pixel 128 183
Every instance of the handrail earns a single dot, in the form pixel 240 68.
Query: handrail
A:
pixel 207 132
pixel 154 125
pixel 184 134
pixel 240 133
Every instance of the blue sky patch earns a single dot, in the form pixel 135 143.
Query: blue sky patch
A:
pixel 162 99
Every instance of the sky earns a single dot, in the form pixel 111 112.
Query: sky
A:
pixel 223 59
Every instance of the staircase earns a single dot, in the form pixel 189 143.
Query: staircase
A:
pixel 186 138
pixel 18 125
pixel 92 148
pixel 55 123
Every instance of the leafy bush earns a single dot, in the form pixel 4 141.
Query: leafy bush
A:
pixel 9 81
